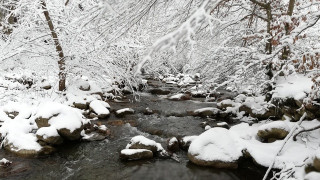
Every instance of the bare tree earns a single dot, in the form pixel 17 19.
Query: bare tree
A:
pixel 61 61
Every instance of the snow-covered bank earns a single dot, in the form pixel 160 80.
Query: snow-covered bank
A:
pixel 34 123
pixel 223 148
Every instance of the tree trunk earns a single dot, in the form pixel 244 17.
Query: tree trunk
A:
pixel 286 50
pixel 61 61
pixel 269 20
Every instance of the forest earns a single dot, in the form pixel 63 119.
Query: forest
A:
pixel 160 89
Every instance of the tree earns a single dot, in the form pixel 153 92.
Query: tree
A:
pixel 61 61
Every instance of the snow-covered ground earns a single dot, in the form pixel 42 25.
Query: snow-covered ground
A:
pixel 296 86
pixel 218 144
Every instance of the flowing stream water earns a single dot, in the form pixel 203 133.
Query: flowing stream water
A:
pixel 100 159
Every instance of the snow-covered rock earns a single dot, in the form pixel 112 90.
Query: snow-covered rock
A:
pixel 295 85
pixel 5 162
pixel 180 97
pixel 215 147
pixel 100 108
pixel 123 112
pixel 49 135
pixel 93 136
pixel 207 127
pixel 135 154
pixel 273 131
pixel 223 125
pixel 17 137
pixel 185 142
pixel 141 142
pixel 84 85
pixel 66 120
pixel 205 112
pixel 173 144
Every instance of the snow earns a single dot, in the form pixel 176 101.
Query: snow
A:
pixel 62 116
pixel 4 161
pixel 215 144
pixel 142 140
pixel 222 124
pixel 83 84
pixel 212 109
pixel 227 145
pixel 3 116
pixel 257 104
pixel 160 148
pixel 187 80
pixel 24 110
pixel 124 110
pixel 26 141
pixel 100 107
pixel 17 132
pixel 312 176
pixel 133 151
pixel 176 96
pixel 275 124
pixel 103 127
pixel 170 79
pixel 172 141
pixel 47 132
pixel 296 86
pixel 294 152
pixel 186 139
pixel 207 127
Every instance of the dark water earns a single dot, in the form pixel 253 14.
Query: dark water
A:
pixel 100 159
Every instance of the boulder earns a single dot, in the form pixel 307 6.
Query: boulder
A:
pixel 185 142
pixel 158 91
pixel 124 112
pixel 102 129
pixel 316 163
pixel 42 122
pixel 180 97
pixel 93 115
pixel 5 163
pixel 47 150
pixel 100 108
pixel 84 86
pixel 207 127
pixel 141 142
pixel 80 105
pixel 173 144
pixel 12 114
pixel 135 154
pixel 223 125
pixel 49 135
pixel 213 163
pixel 268 113
pixel 215 147
pixel 93 136
pixel 224 104
pixel 70 135
pixel 21 152
pixel 206 112
pixel 273 131
pixel 149 111
pixel 47 87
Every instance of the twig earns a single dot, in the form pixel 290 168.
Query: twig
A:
pixel 284 143
pixel 305 130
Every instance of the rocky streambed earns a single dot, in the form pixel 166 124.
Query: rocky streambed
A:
pixel 156 117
